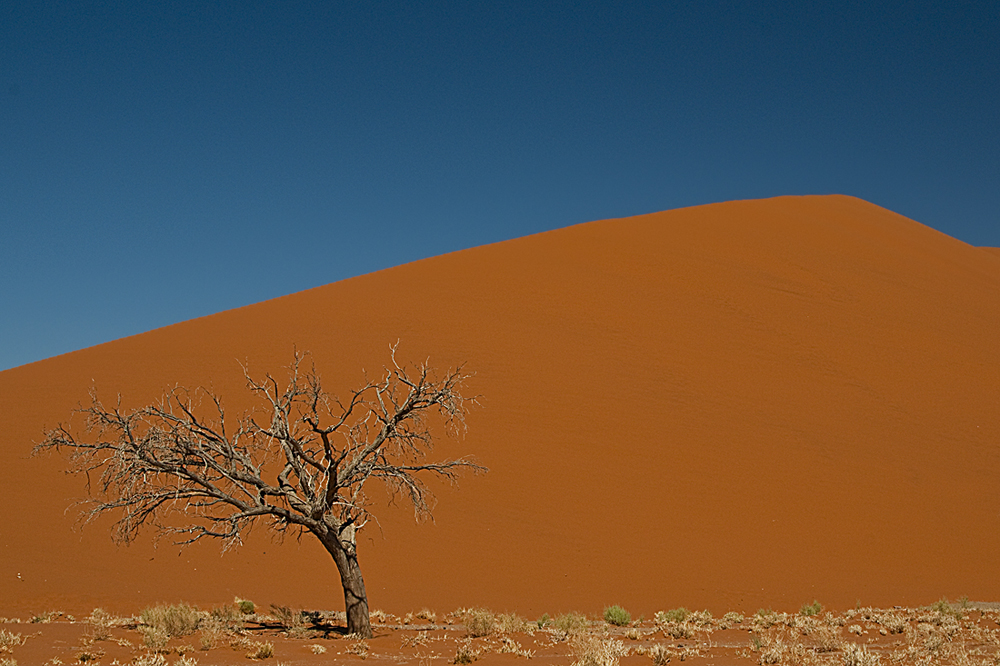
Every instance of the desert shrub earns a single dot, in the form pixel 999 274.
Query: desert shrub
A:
pixel 509 623
pixel 7 661
pixel 679 630
pixel 571 623
pixel 317 648
pixel 675 615
pixel 246 606
pixel 482 622
pixel 46 617
pixel 176 620
pixel 731 618
pixel 155 638
pixel 946 609
pixel 186 660
pixel 591 650
pixel 894 624
pixel 221 622
pixel 261 650
pixel 858 655
pixel 808 610
pixel 478 621
pixel 827 638
pixel 292 621
pixel 543 621
pixel 617 616
pixel 427 614
pixel 359 648
pixel 659 654
pixel 380 616
pixel 766 618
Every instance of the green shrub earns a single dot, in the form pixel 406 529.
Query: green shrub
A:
pixel 543 621
pixel 246 606
pixel 809 610
pixel 617 616
pixel 944 608
pixel 675 615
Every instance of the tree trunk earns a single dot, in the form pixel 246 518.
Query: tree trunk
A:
pixel 345 555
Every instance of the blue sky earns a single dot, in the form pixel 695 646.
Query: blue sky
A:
pixel 161 161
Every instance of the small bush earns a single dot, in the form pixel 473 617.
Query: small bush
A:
pixel 808 610
pixel 659 654
pixel 543 621
pixel 177 620
pixel 731 618
pixel 571 623
pixel 317 648
pixel 946 609
pixel 246 606
pixel 679 630
pixel 478 622
pixel 293 621
pixel 675 615
pixel 617 616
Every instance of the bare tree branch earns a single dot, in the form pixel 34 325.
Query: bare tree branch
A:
pixel 174 467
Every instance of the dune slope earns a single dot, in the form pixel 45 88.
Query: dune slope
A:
pixel 731 406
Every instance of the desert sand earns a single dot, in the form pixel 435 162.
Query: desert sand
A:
pixel 733 406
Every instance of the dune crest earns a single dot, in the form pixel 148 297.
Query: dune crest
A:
pixel 731 406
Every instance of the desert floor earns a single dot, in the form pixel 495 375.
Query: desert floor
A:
pixel 962 633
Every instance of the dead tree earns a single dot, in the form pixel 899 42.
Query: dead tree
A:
pixel 302 462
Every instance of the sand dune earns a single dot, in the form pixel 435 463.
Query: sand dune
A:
pixel 731 406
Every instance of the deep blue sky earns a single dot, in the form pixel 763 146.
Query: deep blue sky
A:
pixel 161 160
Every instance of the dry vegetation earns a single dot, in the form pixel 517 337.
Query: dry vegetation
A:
pixel 959 634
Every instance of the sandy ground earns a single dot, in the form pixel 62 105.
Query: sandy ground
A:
pixel 733 406
pixel 969 637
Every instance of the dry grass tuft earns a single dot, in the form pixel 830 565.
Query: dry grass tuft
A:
pixel 10 640
pixel 465 654
pixel 482 622
pixel 858 655
pixel 261 650
pixel 420 638
pixel 590 650
pixel 510 646
pixel 478 621
pixel 359 648
pixel 171 621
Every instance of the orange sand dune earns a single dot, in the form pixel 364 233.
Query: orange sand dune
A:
pixel 731 406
